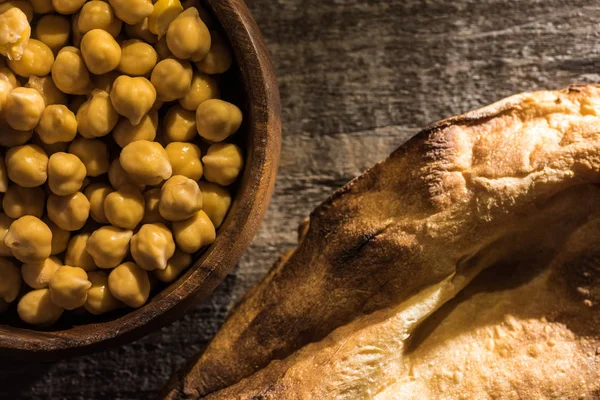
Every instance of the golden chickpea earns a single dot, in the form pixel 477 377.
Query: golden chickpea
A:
pixel 204 87
pixel 98 15
pixel 37 308
pixel 179 125
pixel 151 212
pixel 108 246
pixel 69 286
pixel 141 31
pixel 165 11
pixel 77 254
pixel 60 237
pixel 180 198
pixel 133 98
pixel 194 233
pixel 97 116
pixel 27 165
pixel 54 31
pixel 99 299
pixel 216 119
pixel 172 79
pixel 132 11
pixel 96 194
pixel 147 163
pixel 206 16
pixel 3 176
pixel 67 6
pixel 45 85
pixel 36 60
pixel 105 81
pixel 125 207
pixel 93 153
pixel 125 133
pixel 162 49
pixel 24 6
pixel 11 137
pixel 8 76
pixel 69 72
pixel 185 159
pixel 23 108
pixel 14 31
pixel 68 212
pixel 152 246
pixel 175 266
pixel 20 201
pixel 29 239
pixel 10 281
pixel 42 6
pixel 137 58
pixel 5 89
pixel 37 275
pixel 188 37
pixel 57 125
pixel 100 51
pixel 130 284
pixel 223 163
pixel 118 177
pixel 66 173
pixel 5 223
pixel 219 59
pixel 216 201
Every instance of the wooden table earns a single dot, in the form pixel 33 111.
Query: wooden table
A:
pixel 357 79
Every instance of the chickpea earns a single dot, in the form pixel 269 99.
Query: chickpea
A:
pixel 172 79
pixel 24 108
pixel 188 37
pixel 67 6
pixel 99 298
pixel 14 31
pixel 37 59
pixel 10 281
pixel 5 223
pixel 57 125
pixel 165 11
pixel 125 207
pixel 69 72
pixel 97 116
pixel 5 89
pixel 93 153
pixel 137 58
pixel 98 15
pixel 96 194
pixel 133 98
pixel 216 201
pixel 132 11
pixel 162 49
pixel 69 286
pixel 216 120
pixel 27 165
pixel 37 308
pixel 223 163
pixel 54 31
pixel 11 137
pixel 100 51
pixel 42 6
pixel 105 81
pixel 219 59
pixel 151 212
pixel 38 274
pixel 146 162
pixel 108 246
pixel 68 212
pixel 45 85
pixel 29 239
pixel 175 266
pixel 66 173
pixel 152 246
pixel 141 31
pixel 3 176
pixel 194 233
pixel 126 133
pixel 204 87
pixel 185 159
pixel 76 34
pixel 118 177
pixel 24 6
pixel 180 198
pixel 130 284
pixel 60 237
pixel 179 125
pixel 77 254
pixel 20 201
pixel 206 17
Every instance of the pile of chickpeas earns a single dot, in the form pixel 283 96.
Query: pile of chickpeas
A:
pixel 114 155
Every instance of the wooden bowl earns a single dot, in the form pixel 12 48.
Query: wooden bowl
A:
pixel 259 98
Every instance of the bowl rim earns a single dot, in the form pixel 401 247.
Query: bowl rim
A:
pixel 242 222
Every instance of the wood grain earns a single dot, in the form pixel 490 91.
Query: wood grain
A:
pixel 357 78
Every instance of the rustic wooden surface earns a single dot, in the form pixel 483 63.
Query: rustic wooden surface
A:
pixel 357 79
